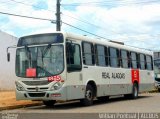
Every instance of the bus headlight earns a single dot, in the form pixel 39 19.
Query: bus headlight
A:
pixel 19 86
pixel 57 86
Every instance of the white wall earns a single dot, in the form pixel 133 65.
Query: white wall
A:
pixel 7 69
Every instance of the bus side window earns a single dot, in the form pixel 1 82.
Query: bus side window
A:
pixel 114 57
pixel 125 59
pixel 101 55
pixel 134 60
pixel 88 53
pixel 73 57
pixel 142 61
pixel 149 62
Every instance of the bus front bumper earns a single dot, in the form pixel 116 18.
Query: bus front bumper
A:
pixel 41 95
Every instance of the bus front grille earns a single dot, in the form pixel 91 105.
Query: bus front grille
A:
pixel 37 89
pixel 33 83
pixel 36 94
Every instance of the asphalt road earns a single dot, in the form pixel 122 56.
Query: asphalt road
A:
pixel 146 103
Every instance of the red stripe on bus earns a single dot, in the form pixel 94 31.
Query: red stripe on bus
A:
pixel 135 75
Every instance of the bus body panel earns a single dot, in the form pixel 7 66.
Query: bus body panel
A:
pixel 75 87
pixel 146 81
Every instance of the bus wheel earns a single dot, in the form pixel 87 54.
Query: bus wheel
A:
pixel 103 99
pixel 89 95
pixel 49 103
pixel 134 93
pixel 159 89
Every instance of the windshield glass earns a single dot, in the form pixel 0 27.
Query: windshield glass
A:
pixel 44 61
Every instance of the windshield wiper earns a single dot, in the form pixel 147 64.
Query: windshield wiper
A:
pixel 41 68
pixel 45 51
pixel 28 53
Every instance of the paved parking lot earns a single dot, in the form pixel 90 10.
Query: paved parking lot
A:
pixel 147 102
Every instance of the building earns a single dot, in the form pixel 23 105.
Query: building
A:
pixel 7 69
pixel 157 55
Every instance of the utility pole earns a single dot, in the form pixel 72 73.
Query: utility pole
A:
pixel 58 16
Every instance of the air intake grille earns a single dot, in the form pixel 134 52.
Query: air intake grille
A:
pixel 33 83
pixel 36 94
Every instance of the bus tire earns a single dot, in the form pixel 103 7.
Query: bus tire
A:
pixel 49 103
pixel 159 89
pixel 89 95
pixel 134 93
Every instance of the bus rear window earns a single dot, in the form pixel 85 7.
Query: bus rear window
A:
pixel 41 39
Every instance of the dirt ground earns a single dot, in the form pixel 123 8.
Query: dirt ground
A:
pixel 7 98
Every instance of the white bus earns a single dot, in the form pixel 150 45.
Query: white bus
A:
pixel 64 66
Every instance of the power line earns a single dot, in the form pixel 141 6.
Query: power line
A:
pixel 84 21
pixel 54 11
pixel 87 22
pixel 30 5
pixel 28 17
pixel 6 2
pixel 52 21
pixel 85 31
pixel 108 3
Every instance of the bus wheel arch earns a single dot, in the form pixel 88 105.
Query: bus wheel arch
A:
pixel 94 86
pixel 90 94
pixel 134 93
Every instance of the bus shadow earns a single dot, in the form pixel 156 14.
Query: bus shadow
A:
pixel 119 99
pixel 76 104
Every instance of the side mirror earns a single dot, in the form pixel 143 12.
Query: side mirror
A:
pixel 8 54
pixel 8 57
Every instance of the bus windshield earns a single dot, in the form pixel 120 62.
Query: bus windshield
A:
pixel 39 61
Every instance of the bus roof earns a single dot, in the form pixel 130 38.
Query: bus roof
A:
pixel 105 42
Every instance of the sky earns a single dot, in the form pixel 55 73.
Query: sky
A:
pixel 134 22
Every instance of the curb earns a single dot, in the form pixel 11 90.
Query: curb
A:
pixel 19 106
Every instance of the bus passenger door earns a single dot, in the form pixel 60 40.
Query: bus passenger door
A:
pixel 74 76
